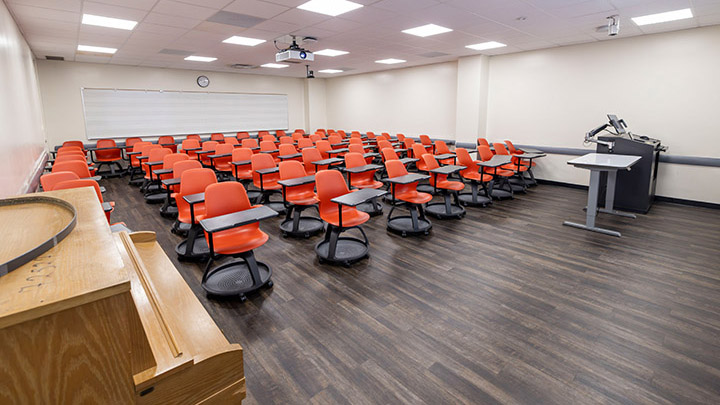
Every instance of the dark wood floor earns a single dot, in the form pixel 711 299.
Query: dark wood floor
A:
pixel 504 306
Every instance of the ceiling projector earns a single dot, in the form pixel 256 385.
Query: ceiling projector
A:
pixel 294 53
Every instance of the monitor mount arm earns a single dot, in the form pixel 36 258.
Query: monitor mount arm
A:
pixel 590 137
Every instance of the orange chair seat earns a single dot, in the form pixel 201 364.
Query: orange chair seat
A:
pixel 366 183
pixel 223 166
pixel 269 185
pixel 477 176
pixel 414 197
pixel 115 159
pixel 198 209
pixel 239 240
pixel 244 172
pixel 350 217
pixel 449 185
pixel 309 200
pixel 514 167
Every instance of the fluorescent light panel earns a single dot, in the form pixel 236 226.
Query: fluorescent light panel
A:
pixel 96 49
pixel 195 58
pixel 663 17
pixel 331 52
pixel 329 7
pixel 331 71
pixel 89 19
pixel 237 40
pixel 486 45
pixel 274 65
pixel 427 30
pixel 390 61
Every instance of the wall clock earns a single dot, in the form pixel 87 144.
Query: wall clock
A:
pixel 203 81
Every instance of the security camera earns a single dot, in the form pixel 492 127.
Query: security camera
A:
pixel 613 26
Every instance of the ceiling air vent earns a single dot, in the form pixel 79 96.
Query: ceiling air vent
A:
pixel 49 57
pixel 243 66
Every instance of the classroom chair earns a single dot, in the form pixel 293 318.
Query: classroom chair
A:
pixel 167 141
pixel 447 188
pixel 217 137
pixel 48 181
pixel 265 178
pixel 220 160
pixel 361 175
pixel 298 190
pixel 108 207
pixel 208 148
pixel 403 193
pixel 190 147
pixel 108 157
pixel 476 177
pixel 499 174
pixel 165 173
pixel 192 182
pixel 517 182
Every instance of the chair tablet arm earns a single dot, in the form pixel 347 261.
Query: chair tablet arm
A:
pixel 107 207
pixel 96 178
pixel 339 144
pixel 400 150
pixel 362 169
pixel 496 161
pixel 191 149
pixel 133 153
pixel 202 152
pixel 370 154
pixel 330 161
pixel 171 182
pixel 530 156
pixel 240 163
pixel 162 171
pixel 298 181
pixel 407 161
pixel 449 169
pixel 236 219
pixel 193 199
pixel 291 156
pixel 407 179
pixel 154 163
pixel 219 156
pixel 358 197
pixel 445 156
pixel 270 151
pixel 334 151
pixel 267 171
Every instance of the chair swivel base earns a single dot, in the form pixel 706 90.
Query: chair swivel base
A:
pixel 373 208
pixel 235 279
pixel 305 227
pixel 347 251
pixel 198 248
pixel 500 194
pixel 169 211
pixel 180 228
pixel 445 209
pixel 477 200
pixel 155 198
pixel 426 188
pixel 403 225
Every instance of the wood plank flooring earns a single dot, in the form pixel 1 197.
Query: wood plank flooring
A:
pixel 504 306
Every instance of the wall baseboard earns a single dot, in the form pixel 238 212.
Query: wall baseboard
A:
pixel 658 198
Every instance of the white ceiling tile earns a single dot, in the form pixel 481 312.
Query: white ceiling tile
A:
pixel 278 27
pixel 138 4
pixel 256 8
pixel 172 21
pixel 66 5
pixel 216 4
pixel 338 25
pixel 160 29
pixel 368 15
pixel 174 8
pixel 111 11
pixel 301 17
pixel 29 12
pixel 401 6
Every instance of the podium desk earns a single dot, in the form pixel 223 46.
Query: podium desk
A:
pixel 598 163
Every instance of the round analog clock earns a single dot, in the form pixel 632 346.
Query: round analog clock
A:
pixel 203 81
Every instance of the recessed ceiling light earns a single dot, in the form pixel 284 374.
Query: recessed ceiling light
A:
pixel 274 65
pixel 200 58
pixel 390 61
pixel 96 49
pixel 427 30
pixel 329 7
pixel 663 17
pixel 486 45
pixel 332 71
pixel 243 41
pixel 89 19
pixel 331 52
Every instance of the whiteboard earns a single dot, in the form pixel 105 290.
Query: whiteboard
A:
pixel 116 113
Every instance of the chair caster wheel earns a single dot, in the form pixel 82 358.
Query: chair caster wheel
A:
pixel 307 234
pixel 243 298
pixel 284 234
pixel 404 234
pixel 426 233
pixel 269 284
pixel 346 264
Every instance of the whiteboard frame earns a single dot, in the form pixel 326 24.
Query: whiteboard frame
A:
pixel 82 101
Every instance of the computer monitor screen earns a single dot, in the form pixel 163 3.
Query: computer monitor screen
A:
pixel 615 122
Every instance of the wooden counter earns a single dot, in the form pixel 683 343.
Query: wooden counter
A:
pixel 106 318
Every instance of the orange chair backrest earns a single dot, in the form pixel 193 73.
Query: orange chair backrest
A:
pixel 464 159
pixel 249 143
pixel 441 148
pixel 78 183
pixel 242 135
pixel 356 148
pixel 425 140
pixel 172 158
pixel 224 148
pixel 300 131
pixel 323 147
pixel 182 166
pixel 74 143
pixel 315 137
pixel 485 153
pixel 370 134
pixel 225 198
pixel 329 184
pixel 107 154
pixel 138 147
pixel 67 157
pixel 166 140
pixel 280 133
pixel 482 142
pixel 268 138
pixel 432 163
pixel 356 141
pixel 217 137
pixel 193 181
pixel 210 145
pixel 286 140
pixel 395 168
pixel 408 143
pixel 383 144
pixel 241 154
pixel 130 142
pixel 262 161
pixel 296 136
pixel 354 135
pixel 263 133
pixel 291 169
pixel 389 154
pixel 500 149
pixel 354 159
pixel 418 150
pixel 267 145
pixel 334 139
pixel 158 154
pixel 49 180
pixel 310 155
pixel 287 149
pixel 511 148
pixel 190 144
pixel 304 143
pixel 194 136
pixel 231 141
pixel 78 167
pixel 400 137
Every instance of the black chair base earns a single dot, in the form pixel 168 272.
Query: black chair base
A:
pixel 155 198
pixel 475 198
pixel 373 207
pixel 298 226
pixel 195 247
pixel 445 209
pixel 413 224
pixel 112 173
pixel 341 250
pixel 499 193
pixel 180 228
pixel 169 211
pixel 425 188
pixel 237 278
pixel 264 199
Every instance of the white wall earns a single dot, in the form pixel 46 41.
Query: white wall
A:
pixel 60 84
pixel 665 85
pixel 315 104
pixel 413 101
pixel 472 98
pixel 22 140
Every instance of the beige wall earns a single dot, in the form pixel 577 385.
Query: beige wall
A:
pixel 665 85
pixel 413 101
pixel 315 104
pixel 22 140
pixel 60 84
